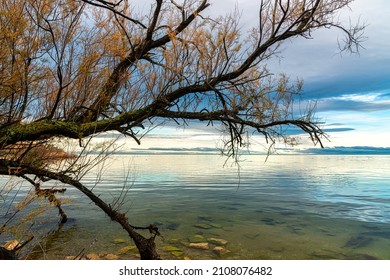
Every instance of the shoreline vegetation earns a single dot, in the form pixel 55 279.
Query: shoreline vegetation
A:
pixel 37 156
pixel 337 150
pixel 28 152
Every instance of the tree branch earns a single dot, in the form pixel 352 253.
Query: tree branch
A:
pixel 146 246
pixel 108 6
pixel 232 118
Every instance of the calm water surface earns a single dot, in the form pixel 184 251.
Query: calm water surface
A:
pixel 290 207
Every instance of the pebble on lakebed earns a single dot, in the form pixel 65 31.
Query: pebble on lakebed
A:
pixel 217 241
pixel 201 245
pixel 127 249
pixel 119 240
pixel 207 225
pixel 220 250
pixel 94 256
pixel 171 249
pixel 196 238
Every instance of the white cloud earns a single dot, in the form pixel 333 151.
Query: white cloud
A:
pixel 369 97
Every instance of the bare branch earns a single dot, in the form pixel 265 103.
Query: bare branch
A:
pixel 111 7
pixel 152 25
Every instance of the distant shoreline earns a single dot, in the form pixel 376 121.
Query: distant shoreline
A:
pixel 354 151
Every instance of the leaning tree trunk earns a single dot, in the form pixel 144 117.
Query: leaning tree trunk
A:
pixel 146 246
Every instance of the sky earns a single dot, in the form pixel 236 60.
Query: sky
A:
pixel 352 91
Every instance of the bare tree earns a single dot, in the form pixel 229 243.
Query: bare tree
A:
pixel 71 69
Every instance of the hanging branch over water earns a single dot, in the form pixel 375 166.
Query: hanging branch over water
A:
pixel 72 69
pixel 147 251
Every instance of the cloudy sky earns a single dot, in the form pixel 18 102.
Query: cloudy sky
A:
pixel 352 92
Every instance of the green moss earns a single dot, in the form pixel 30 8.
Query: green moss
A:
pixel 119 240
pixel 127 249
pixel 171 249
pixel 196 239
pixel 41 129
pixel 177 254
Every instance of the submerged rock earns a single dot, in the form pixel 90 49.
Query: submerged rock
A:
pixel 358 242
pixel 11 245
pixel 207 225
pixel 332 255
pixel 220 251
pixel 177 253
pixel 92 256
pixel 119 240
pixel 214 225
pixel 111 257
pixel 197 239
pixel 202 245
pixel 251 236
pixel 173 226
pixel 127 249
pixel 203 226
pixel 268 221
pixel 172 241
pixel 171 249
pixel 205 218
pixel 295 230
pixel 217 241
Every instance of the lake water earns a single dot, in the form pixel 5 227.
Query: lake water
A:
pixel 289 207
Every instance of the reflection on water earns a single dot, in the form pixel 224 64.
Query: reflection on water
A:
pixel 291 207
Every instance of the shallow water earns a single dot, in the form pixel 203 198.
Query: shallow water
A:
pixel 290 207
